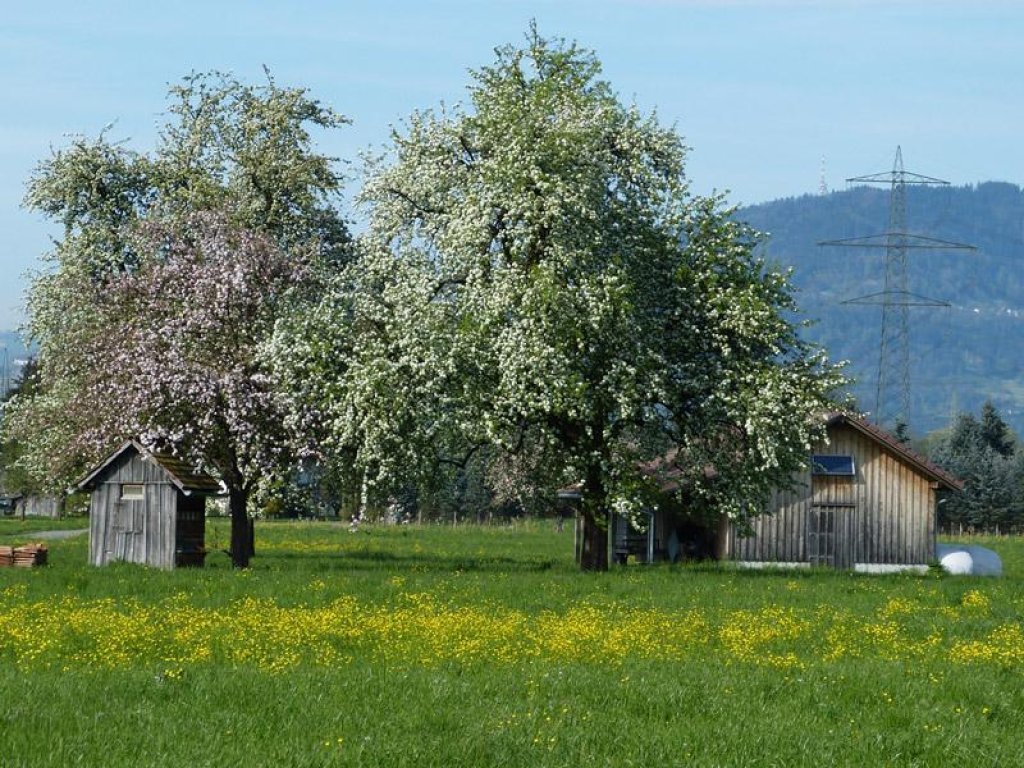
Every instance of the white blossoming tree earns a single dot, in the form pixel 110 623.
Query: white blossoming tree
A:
pixel 537 277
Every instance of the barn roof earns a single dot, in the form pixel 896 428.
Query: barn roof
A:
pixel 918 462
pixel 186 478
pixel 669 473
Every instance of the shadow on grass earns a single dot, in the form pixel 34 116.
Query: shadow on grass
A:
pixel 362 560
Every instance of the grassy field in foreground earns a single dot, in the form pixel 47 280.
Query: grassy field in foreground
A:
pixel 484 646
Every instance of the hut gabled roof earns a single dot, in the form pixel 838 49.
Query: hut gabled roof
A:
pixel 185 478
pixel 903 452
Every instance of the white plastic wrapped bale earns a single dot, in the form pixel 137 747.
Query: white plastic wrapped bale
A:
pixel 969 560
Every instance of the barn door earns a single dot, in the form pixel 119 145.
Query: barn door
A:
pixel 830 521
pixel 821 536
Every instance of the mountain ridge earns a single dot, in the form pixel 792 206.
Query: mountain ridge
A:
pixel 961 354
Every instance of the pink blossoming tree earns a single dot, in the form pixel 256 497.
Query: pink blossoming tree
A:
pixel 181 366
pixel 172 268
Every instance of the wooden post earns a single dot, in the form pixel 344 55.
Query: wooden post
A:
pixel 722 538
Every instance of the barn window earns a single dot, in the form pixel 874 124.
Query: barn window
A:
pixel 832 466
pixel 132 492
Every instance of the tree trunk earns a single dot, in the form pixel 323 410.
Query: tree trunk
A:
pixel 594 552
pixel 242 531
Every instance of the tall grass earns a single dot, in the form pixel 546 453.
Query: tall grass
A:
pixel 484 646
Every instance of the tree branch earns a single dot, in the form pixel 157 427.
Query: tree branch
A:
pixel 414 203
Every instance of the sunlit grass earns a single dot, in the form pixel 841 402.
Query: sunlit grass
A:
pixel 17 526
pixel 485 646
pixel 423 629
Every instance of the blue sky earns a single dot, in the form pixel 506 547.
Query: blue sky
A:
pixel 760 89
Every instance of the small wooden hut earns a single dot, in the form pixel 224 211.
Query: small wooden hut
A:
pixel 147 508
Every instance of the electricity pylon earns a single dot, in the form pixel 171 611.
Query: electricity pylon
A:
pixel 892 392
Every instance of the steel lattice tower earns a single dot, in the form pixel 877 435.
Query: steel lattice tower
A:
pixel 892 392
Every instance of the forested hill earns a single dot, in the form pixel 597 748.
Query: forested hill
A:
pixel 12 353
pixel 13 343
pixel 961 354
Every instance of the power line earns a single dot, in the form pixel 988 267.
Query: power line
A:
pixel 892 391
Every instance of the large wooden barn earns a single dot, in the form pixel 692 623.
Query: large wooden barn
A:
pixel 865 501
pixel 147 508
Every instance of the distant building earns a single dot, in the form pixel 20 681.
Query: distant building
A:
pixel 30 505
pixel 38 505
pixel 866 501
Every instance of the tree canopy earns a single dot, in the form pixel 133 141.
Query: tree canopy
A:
pixel 171 270
pixel 538 279
pixel 538 301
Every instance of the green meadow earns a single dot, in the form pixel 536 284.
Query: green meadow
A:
pixel 481 646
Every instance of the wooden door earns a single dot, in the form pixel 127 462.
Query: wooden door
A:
pixel 830 522
pixel 126 527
